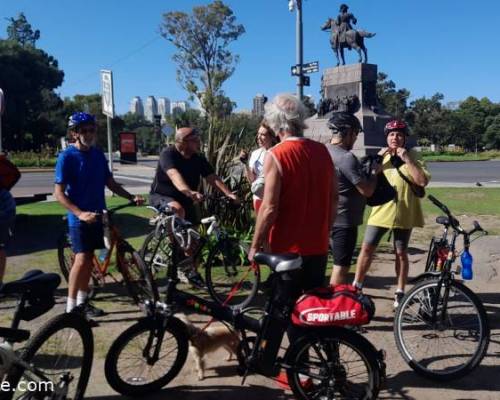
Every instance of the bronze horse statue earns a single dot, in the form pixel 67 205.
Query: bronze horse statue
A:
pixel 352 40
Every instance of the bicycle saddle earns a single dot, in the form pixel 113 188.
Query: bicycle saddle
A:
pixel 279 262
pixel 34 281
pixel 442 220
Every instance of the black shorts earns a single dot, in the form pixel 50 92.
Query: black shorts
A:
pixel 343 244
pixel 193 213
pixel 6 232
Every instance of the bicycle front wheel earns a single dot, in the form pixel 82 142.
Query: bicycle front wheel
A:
pixel 333 364
pixel 136 274
pixel 450 345
pixel 131 368
pixel 156 253
pixel 61 353
pixel 231 279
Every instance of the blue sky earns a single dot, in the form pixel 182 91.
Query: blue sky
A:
pixel 88 35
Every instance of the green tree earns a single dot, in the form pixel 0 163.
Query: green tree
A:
pixel 28 77
pixel 473 112
pixel 492 134
pixel 425 117
pixel 20 31
pixel 393 101
pixel 204 61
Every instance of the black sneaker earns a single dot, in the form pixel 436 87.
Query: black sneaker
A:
pixel 91 311
pixel 195 279
pixel 81 310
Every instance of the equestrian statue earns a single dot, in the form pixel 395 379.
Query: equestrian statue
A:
pixel 344 36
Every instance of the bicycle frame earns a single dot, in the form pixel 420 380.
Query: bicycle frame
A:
pixel 446 274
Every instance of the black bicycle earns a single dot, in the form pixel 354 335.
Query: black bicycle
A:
pixel 56 362
pixel 322 363
pixel 441 327
pixel 230 278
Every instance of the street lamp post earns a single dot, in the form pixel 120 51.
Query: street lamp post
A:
pixel 298 45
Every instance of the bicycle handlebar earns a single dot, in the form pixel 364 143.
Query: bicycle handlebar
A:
pixel 453 221
pixel 113 210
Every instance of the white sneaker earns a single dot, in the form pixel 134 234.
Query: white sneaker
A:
pixel 398 296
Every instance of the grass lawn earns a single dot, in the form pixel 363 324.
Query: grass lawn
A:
pixel 38 225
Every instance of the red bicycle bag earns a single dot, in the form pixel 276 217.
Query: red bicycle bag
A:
pixel 336 305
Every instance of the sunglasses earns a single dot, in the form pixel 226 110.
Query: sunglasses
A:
pixel 89 129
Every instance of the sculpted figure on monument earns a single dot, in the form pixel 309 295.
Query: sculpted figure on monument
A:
pixel 343 35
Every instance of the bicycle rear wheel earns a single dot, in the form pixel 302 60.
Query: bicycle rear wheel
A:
pixel 333 364
pixel 129 368
pixel 227 266
pixel 454 343
pixel 66 257
pixel 136 274
pixel 62 351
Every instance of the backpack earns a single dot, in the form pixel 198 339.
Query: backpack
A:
pixel 336 305
pixel 9 174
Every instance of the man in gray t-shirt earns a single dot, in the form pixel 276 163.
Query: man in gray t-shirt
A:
pixel 353 187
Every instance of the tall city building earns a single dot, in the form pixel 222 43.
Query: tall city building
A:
pixel 136 106
pixel 151 108
pixel 178 106
pixel 163 108
pixel 258 105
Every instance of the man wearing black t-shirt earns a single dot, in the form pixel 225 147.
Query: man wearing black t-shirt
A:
pixel 177 178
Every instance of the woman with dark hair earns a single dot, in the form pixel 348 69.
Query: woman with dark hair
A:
pixel 265 139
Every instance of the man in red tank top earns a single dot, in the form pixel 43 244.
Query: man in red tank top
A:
pixel 300 193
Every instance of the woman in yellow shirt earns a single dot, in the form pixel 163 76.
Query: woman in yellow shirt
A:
pixel 401 214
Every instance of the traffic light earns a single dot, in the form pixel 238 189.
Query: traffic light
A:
pixel 157 122
pixel 306 81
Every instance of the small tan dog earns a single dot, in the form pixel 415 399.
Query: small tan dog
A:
pixel 202 342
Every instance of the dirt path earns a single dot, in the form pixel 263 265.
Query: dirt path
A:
pixel 221 382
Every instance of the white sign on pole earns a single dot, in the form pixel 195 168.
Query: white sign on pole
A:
pixel 108 107
pixel 2 102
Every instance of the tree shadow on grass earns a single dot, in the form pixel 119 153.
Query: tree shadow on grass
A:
pixel 35 233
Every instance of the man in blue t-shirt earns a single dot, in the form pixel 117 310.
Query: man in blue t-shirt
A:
pixel 82 174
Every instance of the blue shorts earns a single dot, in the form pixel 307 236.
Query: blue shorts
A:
pixel 86 237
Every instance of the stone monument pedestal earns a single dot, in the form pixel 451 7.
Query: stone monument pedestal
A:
pixel 340 83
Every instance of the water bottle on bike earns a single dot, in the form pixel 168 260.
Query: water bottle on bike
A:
pixel 466 260
pixel 103 253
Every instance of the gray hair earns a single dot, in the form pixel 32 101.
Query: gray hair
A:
pixel 286 113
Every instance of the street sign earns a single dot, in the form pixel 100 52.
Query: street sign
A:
pixel 108 107
pixel 308 68
pixel 311 67
pixel 2 102
pixel 167 130
pixel 306 81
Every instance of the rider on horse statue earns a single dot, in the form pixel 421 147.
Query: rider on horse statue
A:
pixel 344 22
pixel 344 36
